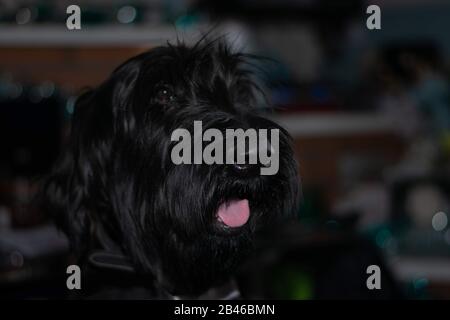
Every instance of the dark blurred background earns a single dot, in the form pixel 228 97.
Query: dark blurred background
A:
pixel 369 111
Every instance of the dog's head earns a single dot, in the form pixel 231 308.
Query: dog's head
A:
pixel 188 225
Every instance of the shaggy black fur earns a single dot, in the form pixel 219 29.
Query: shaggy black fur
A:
pixel 116 177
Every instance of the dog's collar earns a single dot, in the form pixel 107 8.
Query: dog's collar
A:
pixel 111 257
pixel 118 262
pixel 111 260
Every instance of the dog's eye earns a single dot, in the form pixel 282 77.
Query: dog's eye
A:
pixel 165 95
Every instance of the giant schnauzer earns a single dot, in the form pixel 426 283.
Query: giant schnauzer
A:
pixel 144 224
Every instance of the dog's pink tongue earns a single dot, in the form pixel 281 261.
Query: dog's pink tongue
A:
pixel 234 213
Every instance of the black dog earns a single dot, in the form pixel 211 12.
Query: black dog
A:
pixel 124 204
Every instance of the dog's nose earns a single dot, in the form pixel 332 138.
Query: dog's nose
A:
pixel 246 169
pixel 249 168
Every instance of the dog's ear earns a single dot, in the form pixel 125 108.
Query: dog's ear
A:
pixel 67 190
pixel 75 190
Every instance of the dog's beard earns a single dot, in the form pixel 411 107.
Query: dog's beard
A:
pixel 204 224
pixel 193 267
pixel 203 244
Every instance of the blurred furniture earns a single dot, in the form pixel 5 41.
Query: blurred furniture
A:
pixel 73 59
pixel 323 140
pixel 425 273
